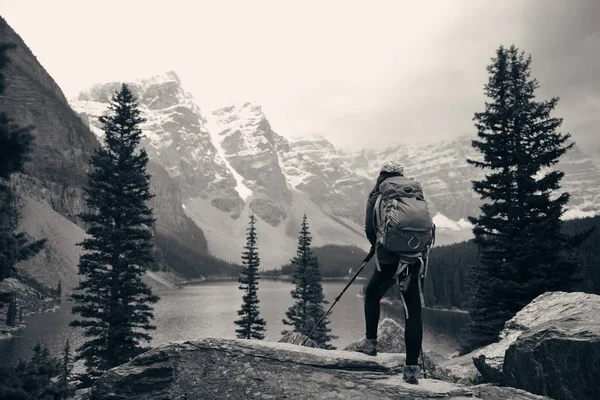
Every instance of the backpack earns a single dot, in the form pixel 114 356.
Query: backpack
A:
pixel 402 219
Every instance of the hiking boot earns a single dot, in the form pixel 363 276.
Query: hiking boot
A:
pixel 411 374
pixel 367 346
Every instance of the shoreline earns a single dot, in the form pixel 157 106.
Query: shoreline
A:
pixel 8 332
pixel 288 278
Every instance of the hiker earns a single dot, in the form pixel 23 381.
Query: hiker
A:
pixel 400 256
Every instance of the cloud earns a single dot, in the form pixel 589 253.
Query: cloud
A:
pixel 352 71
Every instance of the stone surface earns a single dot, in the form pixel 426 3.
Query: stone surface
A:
pixel 390 338
pixel 559 358
pixel 490 392
pixel 551 347
pixel 239 369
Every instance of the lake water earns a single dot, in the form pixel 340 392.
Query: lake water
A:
pixel 209 309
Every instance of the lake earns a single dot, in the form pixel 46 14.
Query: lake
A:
pixel 209 309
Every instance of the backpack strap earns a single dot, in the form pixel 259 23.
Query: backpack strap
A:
pixel 376 212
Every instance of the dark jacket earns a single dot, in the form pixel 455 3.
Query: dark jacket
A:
pixel 384 256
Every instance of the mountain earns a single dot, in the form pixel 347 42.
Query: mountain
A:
pixel 51 187
pixel 230 162
pixel 446 176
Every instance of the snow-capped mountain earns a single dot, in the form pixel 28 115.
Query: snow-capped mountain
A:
pixel 176 137
pixel 230 163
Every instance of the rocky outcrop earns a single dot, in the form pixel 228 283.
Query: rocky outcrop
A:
pixel 559 357
pixel 491 392
pixel 390 338
pixel 551 347
pixel 63 145
pixel 239 369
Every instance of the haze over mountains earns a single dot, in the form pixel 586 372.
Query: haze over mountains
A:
pixel 212 168
pixel 230 162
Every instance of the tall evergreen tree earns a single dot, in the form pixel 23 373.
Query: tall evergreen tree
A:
pixel 11 313
pixel 66 366
pixel 523 252
pixel 15 145
pixel 308 292
pixel 115 304
pixel 251 326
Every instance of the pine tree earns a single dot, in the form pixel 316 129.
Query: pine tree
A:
pixel 15 145
pixel 523 252
pixel 59 289
pixel 114 303
pixel 66 366
pixel 251 326
pixel 308 309
pixel 11 313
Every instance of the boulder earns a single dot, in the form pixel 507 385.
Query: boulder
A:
pixel 390 338
pixel 551 347
pixel 560 358
pixel 239 369
pixel 490 392
pixel 298 338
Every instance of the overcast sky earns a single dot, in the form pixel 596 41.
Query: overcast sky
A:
pixel 358 73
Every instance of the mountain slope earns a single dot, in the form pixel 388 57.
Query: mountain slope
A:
pixel 57 172
pixel 176 137
pixel 228 166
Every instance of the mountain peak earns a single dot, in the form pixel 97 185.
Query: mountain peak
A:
pixel 166 77
pixel 247 108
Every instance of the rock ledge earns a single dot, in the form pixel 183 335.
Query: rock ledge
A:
pixel 240 369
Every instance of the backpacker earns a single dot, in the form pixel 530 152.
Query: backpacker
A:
pixel 402 219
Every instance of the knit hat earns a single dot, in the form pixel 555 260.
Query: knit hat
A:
pixel 391 167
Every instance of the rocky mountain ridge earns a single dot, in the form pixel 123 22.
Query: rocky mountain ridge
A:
pixel 230 162
pixel 228 165
pixel 51 187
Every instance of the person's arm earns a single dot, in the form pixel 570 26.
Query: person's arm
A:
pixel 369 223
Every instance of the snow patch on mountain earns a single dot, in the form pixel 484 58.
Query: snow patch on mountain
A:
pixel 575 213
pixel 213 128
pixel 443 222
pixel 464 224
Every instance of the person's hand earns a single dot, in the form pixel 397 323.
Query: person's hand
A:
pixel 372 251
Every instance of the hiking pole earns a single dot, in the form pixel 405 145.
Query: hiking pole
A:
pixel 365 261
pixel 423 364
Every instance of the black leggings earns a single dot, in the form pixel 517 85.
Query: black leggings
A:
pixel 379 284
